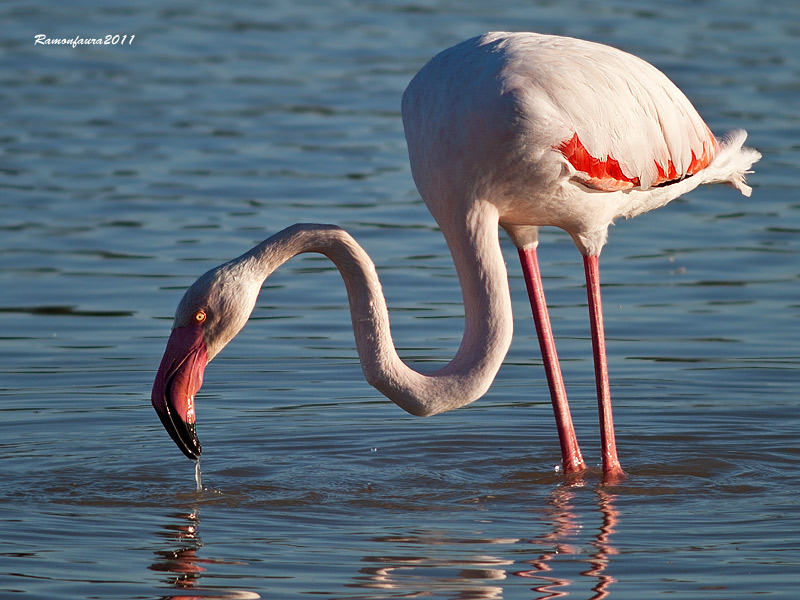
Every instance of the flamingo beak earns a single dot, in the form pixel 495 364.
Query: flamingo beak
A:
pixel 178 379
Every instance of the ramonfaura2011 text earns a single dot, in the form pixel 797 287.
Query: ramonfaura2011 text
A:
pixel 108 40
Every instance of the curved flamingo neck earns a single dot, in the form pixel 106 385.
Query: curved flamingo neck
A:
pixel 487 307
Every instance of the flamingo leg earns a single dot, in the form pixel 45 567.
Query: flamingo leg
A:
pixel 570 452
pixel 612 470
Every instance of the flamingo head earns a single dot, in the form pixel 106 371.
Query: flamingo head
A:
pixel 213 310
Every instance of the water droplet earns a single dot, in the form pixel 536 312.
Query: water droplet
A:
pixel 197 476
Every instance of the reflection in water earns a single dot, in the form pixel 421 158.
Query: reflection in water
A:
pixel 469 577
pixel 185 567
pixel 478 577
pixel 431 564
pixel 566 524
pixel 602 542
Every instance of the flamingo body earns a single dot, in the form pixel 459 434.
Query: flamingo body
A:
pixel 539 124
pixel 518 130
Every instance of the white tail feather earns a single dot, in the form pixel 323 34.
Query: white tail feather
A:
pixel 732 162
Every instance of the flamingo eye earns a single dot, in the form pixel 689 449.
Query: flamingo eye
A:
pixel 200 316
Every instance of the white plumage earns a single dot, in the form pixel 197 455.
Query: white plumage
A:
pixel 502 105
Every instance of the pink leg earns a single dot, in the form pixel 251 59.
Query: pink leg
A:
pixel 570 452
pixel 612 470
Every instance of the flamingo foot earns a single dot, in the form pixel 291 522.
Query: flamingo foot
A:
pixel 573 464
pixel 613 474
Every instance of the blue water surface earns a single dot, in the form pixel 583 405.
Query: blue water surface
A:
pixel 128 169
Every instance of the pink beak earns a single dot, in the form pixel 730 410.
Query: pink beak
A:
pixel 178 379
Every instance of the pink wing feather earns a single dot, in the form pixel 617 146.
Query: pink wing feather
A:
pixel 618 120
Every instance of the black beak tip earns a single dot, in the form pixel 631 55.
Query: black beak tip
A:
pixel 191 445
pixel 183 434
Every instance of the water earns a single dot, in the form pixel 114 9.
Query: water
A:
pixel 127 171
pixel 198 476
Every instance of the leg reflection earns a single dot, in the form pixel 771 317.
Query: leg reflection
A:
pixel 567 528
pixel 600 559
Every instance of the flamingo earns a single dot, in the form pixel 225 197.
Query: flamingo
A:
pixel 511 130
